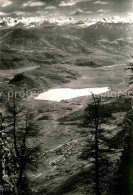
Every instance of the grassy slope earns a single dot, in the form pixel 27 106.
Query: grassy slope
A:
pixel 70 175
pixel 123 183
pixel 44 77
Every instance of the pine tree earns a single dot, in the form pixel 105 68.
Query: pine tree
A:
pixel 8 178
pixel 130 68
pixel 95 115
pixel 22 128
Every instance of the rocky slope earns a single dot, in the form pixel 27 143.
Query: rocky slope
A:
pixel 100 43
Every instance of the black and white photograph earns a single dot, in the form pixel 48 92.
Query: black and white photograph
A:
pixel 66 97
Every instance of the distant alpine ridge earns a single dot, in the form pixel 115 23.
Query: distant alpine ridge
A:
pixel 31 22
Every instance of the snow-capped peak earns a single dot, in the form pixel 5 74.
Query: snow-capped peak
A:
pixel 37 21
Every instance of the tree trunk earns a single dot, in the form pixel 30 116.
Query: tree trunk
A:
pixel 97 188
pixel 20 178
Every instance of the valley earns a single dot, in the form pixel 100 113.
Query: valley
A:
pixel 52 57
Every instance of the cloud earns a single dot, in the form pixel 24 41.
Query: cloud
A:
pixel 101 2
pixel 103 11
pixel 89 12
pixel 19 13
pixel 3 14
pixel 78 12
pixel 33 4
pixel 51 7
pixel 66 3
pixel 81 12
pixel 41 13
pixel 130 13
pixel 5 3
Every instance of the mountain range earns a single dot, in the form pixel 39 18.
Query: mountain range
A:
pixel 102 43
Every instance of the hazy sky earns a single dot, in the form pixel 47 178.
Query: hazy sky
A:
pixel 58 8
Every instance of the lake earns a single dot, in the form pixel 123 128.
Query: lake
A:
pixel 68 93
